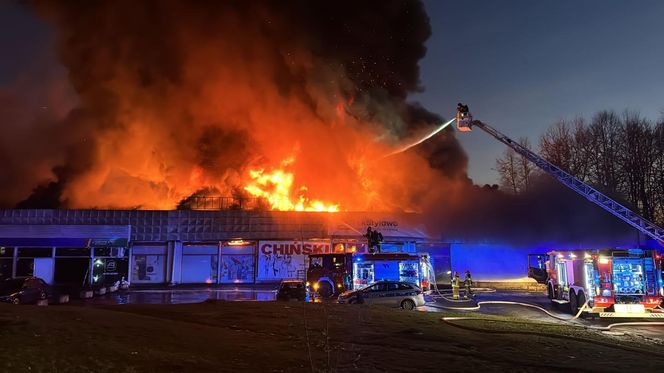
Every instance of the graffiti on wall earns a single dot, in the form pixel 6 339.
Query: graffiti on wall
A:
pixel 286 259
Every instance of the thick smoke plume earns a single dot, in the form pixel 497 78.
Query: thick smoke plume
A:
pixel 179 97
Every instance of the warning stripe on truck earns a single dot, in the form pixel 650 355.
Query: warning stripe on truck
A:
pixel 632 315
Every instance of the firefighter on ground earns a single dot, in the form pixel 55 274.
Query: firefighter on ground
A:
pixel 455 286
pixel 467 283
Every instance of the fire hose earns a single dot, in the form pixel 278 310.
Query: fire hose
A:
pixel 566 319
pixel 479 305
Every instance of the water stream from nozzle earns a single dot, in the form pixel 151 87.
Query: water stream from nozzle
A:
pixel 423 139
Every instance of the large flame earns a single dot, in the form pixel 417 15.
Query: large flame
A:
pixel 277 188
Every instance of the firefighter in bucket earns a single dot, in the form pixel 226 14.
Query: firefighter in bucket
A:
pixel 463 118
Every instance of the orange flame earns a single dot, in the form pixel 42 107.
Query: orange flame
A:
pixel 276 187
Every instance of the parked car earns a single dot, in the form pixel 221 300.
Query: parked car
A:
pixel 389 293
pixel 292 289
pixel 23 290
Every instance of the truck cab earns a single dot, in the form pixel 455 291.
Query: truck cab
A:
pixel 329 274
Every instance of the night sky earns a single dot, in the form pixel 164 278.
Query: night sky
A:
pixel 519 65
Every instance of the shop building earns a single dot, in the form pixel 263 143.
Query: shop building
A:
pixel 194 247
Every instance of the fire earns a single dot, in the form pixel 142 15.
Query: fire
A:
pixel 276 187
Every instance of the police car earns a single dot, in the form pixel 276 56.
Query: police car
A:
pixel 389 293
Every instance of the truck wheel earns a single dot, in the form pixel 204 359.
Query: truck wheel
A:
pixel 324 289
pixel 573 303
pixel 581 300
pixel 407 304
pixel 549 291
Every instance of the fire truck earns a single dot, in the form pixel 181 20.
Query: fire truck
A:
pixel 331 274
pixel 614 282
pixel 625 281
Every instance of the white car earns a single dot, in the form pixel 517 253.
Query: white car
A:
pixel 389 293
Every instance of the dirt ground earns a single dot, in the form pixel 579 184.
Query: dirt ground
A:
pixel 218 336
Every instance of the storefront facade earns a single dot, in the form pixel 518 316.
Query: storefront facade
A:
pixel 191 247
pixel 64 254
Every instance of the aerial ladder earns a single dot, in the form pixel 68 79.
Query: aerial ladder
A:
pixel 465 123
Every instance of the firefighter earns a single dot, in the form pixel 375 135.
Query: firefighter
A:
pixel 455 286
pixel 378 240
pixel 369 235
pixel 467 283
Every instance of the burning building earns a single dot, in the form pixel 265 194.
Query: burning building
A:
pixel 185 246
pixel 301 107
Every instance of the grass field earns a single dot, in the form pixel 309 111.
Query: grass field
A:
pixel 292 337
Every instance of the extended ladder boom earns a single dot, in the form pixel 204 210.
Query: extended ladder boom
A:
pixel 623 213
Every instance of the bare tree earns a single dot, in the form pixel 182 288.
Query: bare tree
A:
pixel 526 170
pixel 556 145
pixel 623 155
pixel 516 172
pixel 568 145
pixel 658 171
pixel 605 135
pixel 507 167
pixel 581 149
pixel 636 159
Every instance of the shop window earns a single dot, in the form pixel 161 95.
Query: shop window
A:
pixel 35 252
pixel 148 269
pixel 5 269
pixel 200 268
pixel 103 251
pixel 25 267
pixel 108 271
pixel 6 252
pixel 71 270
pixel 67 251
pixel 200 250
pixel 238 263
pixel 243 249
pixel 237 268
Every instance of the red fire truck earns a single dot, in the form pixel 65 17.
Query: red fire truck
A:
pixel 332 274
pixel 614 282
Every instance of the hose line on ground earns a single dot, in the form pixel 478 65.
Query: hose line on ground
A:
pixel 581 309
pixel 479 305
